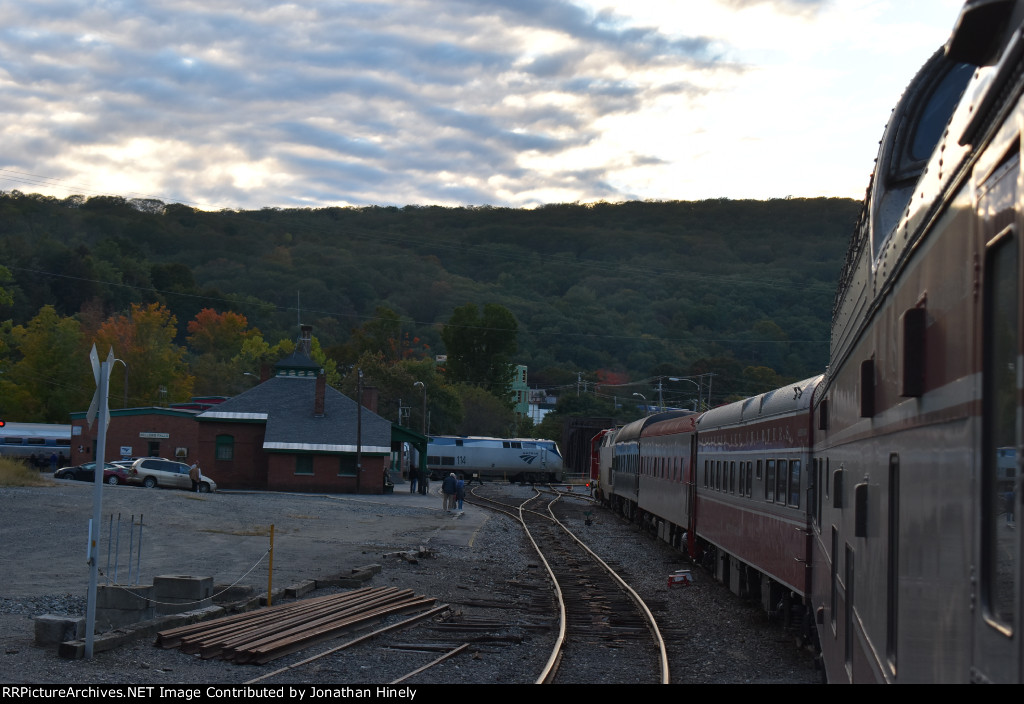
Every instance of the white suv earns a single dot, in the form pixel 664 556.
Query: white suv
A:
pixel 154 471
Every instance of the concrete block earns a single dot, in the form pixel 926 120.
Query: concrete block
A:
pixel 178 593
pixel 183 587
pixel 368 569
pixel 116 596
pixel 327 582
pixel 277 594
pixel 121 605
pixel 229 594
pixel 300 589
pixel 57 628
pixel 110 619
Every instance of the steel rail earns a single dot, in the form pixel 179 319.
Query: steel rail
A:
pixel 355 641
pixel 652 624
pixel 551 667
pixel 429 665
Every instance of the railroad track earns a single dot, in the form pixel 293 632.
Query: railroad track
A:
pixel 606 633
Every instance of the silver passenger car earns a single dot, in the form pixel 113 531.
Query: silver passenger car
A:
pixel 155 471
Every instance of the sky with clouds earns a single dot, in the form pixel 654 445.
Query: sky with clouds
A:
pixel 454 102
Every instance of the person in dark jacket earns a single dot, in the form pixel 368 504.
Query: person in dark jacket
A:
pixel 448 487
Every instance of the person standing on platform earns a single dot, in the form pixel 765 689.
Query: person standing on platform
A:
pixel 460 492
pixel 448 491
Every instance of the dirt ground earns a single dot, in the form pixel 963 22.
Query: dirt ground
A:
pixel 45 533
pixel 223 535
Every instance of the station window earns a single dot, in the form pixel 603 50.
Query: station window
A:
pixel 225 447
pixel 304 464
pixel 347 466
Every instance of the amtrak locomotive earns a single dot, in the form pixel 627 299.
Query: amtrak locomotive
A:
pixel 509 459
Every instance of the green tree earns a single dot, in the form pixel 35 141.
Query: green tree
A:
pixel 380 334
pixel 481 347
pixel 396 384
pixel 485 414
pixel 52 376
pixel 6 298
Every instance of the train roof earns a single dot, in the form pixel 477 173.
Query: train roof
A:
pixel 450 439
pixel 672 426
pixel 634 430
pixel 35 430
pixel 787 399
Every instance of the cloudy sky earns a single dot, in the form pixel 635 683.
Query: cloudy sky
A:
pixel 227 104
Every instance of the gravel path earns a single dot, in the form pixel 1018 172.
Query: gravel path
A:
pixel 477 559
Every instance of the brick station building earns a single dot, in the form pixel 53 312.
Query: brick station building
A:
pixel 291 432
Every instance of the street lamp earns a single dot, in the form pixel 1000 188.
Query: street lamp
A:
pixel 420 383
pixel 125 405
pixel 644 398
pixel 700 389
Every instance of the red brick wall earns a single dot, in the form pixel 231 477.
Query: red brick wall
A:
pixel 124 431
pixel 251 467
pixel 282 477
pixel 248 468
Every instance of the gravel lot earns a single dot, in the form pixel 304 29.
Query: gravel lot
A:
pixel 478 557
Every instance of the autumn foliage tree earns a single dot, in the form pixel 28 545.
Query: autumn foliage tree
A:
pixel 156 368
pixel 216 341
pixel 218 334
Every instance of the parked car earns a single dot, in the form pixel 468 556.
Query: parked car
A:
pixel 112 474
pixel 156 471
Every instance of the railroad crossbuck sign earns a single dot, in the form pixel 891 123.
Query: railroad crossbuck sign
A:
pixel 94 360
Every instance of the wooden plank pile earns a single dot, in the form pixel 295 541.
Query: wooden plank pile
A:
pixel 261 636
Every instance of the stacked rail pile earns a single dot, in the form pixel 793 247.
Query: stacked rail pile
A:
pixel 261 636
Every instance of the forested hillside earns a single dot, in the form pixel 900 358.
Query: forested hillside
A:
pixel 621 290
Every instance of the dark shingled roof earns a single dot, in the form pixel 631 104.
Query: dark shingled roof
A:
pixel 285 404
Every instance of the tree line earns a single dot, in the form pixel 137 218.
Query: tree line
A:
pixel 738 289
